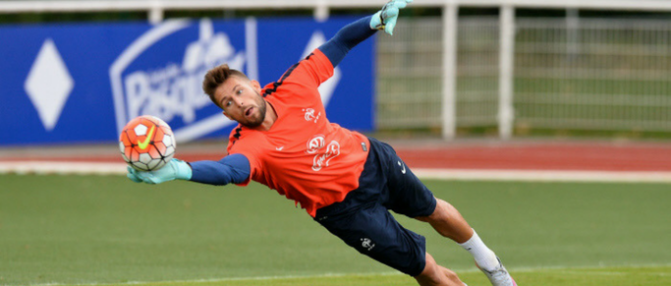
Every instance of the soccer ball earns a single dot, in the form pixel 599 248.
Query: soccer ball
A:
pixel 147 143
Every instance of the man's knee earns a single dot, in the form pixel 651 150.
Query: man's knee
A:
pixel 442 211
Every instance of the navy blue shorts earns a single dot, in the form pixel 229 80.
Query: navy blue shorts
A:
pixel 363 220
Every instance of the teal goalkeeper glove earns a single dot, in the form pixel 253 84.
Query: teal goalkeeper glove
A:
pixel 385 19
pixel 175 169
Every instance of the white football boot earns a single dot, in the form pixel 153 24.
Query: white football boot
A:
pixel 499 276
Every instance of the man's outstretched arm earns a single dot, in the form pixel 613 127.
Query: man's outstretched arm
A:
pixel 347 38
pixel 354 33
pixel 234 168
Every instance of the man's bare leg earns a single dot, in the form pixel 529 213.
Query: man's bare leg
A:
pixel 447 221
pixel 436 275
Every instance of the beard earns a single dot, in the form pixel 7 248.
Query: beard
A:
pixel 257 120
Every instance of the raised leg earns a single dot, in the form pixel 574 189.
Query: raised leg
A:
pixel 447 221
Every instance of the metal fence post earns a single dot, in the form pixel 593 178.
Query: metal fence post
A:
pixel 506 76
pixel 155 13
pixel 450 15
pixel 321 11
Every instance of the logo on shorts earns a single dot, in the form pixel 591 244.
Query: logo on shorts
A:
pixel 367 244
pixel 403 166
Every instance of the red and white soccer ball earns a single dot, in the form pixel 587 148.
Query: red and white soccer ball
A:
pixel 147 143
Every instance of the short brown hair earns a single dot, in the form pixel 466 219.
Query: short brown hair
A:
pixel 216 77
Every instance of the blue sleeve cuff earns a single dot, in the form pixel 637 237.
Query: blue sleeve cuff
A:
pixel 234 168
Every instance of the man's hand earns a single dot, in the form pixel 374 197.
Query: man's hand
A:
pixel 385 19
pixel 175 169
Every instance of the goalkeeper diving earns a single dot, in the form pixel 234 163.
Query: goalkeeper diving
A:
pixel 346 182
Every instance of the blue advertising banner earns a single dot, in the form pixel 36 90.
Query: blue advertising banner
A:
pixel 80 83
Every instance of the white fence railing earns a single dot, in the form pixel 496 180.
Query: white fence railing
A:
pixel 599 74
pixel 596 74
pixel 515 74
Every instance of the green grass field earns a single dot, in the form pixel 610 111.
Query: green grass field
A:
pixel 107 230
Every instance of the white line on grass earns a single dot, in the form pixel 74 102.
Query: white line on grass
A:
pixel 568 269
pixel 562 269
pixel 91 168
pixel 608 273
pixel 326 275
pixel 49 167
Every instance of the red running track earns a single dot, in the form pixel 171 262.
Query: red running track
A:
pixel 515 156
pixel 588 157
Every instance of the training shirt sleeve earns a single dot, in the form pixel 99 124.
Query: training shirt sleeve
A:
pixel 301 81
pixel 230 169
pixel 347 38
pixel 312 71
pixel 239 144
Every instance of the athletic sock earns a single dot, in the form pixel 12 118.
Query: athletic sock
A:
pixel 484 257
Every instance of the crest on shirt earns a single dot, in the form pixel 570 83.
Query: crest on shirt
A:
pixel 310 115
pixel 323 153
pixel 314 144
pixel 322 160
